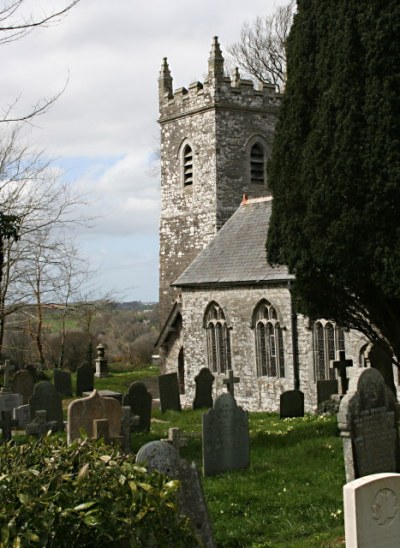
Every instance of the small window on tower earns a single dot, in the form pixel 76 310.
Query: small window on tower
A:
pixel 257 164
pixel 187 166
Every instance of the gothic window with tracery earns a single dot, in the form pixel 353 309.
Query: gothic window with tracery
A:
pixel 270 355
pixel 218 339
pixel 328 339
pixel 187 159
pixel 257 164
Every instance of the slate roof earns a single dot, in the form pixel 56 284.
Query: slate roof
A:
pixel 237 253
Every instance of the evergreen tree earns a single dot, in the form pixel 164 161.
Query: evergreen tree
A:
pixel 335 165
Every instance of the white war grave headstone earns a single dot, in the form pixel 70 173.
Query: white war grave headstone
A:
pixel 372 511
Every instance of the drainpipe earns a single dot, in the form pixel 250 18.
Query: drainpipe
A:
pixel 295 349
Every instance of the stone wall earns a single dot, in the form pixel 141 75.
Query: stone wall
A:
pixel 254 393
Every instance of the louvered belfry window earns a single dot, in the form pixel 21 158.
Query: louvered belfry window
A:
pixel 328 339
pixel 187 166
pixel 257 164
pixel 218 341
pixel 270 355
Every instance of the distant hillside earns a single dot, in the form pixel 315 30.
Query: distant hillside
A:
pixel 134 305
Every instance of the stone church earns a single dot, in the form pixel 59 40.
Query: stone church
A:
pixel 222 305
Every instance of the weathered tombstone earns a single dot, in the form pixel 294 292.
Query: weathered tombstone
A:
pixel 175 439
pixel 169 392
pixel 40 425
pixel 46 398
pixel 372 511
pixel 341 364
pixel 83 412
pixel 230 382
pixel 23 383
pixel 126 429
pixel 84 378
pixel 22 415
pixel 367 420
pixel 291 404
pixel 204 381
pixel 62 382
pixel 101 362
pixel 326 389
pixel 226 443
pixel 9 401
pixel 101 429
pixel 7 369
pixel 5 424
pixel 161 456
pixel 139 400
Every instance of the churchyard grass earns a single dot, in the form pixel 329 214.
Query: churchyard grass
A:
pixel 291 496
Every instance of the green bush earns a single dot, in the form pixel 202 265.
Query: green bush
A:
pixel 85 494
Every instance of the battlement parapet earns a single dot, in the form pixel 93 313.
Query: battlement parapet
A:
pixel 217 91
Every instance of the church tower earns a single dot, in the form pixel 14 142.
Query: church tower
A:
pixel 215 141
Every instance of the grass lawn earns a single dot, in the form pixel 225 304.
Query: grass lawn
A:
pixel 290 497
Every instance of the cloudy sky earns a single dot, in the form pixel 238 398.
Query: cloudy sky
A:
pixel 102 132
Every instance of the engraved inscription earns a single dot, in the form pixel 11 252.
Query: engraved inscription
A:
pixel 385 507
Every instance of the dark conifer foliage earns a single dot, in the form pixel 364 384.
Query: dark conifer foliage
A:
pixel 335 166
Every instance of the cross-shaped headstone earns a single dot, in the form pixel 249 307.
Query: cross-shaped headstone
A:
pixel 230 382
pixel 341 365
pixel 7 370
pixel 175 439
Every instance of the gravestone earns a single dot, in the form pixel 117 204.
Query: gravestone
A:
pixel 169 392
pixel 84 378
pixel 291 404
pixel 22 415
pixel 46 398
pixel 175 439
pixel 367 420
pixel 39 426
pixel 101 362
pixel 326 389
pixel 225 437
pixel 203 396
pixel 83 412
pixel 139 400
pixel 341 364
pixel 230 382
pixel 161 456
pixel 372 511
pixel 23 383
pixel 5 425
pixel 9 401
pixel 7 369
pixel 62 382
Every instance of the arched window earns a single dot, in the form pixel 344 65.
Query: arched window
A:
pixel 218 341
pixel 270 355
pixel 257 164
pixel 328 339
pixel 187 161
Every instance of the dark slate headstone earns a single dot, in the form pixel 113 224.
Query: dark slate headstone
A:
pixel 84 379
pixel 292 404
pixel 325 389
pixel 62 382
pixel 169 392
pixel 367 420
pixel 46 398
pixel 22 383
pixel 139 400
pixel 226 443
pixel 204 381
pixel 161 456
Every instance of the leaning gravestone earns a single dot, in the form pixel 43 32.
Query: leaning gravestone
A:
pixel 46 398
pixel 62 382
pixel 23 383
pixel 169 392
pixel 204 381
pixel 161 456
pixel 83 412
pixel 225 437
pixel 372 511
pixel 291 404
pixel 367 420
pixel 139 400
pixel 84 378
